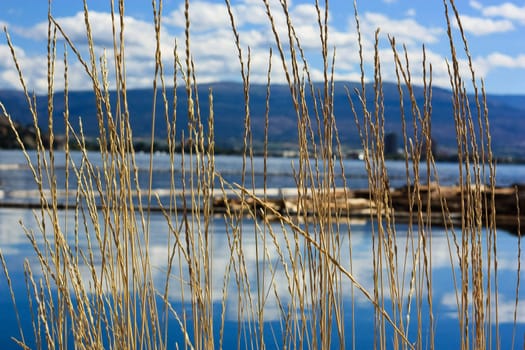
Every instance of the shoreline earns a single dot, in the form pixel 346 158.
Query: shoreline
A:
pixel 439 205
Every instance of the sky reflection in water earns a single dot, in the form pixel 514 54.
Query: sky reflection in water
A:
pixel 17 184
pixel 16 248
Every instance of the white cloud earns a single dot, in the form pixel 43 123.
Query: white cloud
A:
pixel 212 41
pixel 140 48
pixel 34 69
pixel 484 65
pixel 501 60
pixel 9 79
pixel 138 34
pixel 475 5
pixel 506 10
pixel 484 26
pixel 5 57
pixel 74 27
pixel 305 15
pixel 216 57
pixel 208 16
pixel 406 30
pixel 411 12
pixel 204 16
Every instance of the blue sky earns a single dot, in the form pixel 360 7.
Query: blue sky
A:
pixel 495 31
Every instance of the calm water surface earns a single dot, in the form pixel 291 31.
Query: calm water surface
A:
pixel 17 185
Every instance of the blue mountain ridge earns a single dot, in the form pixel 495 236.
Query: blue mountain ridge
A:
pixel 506 113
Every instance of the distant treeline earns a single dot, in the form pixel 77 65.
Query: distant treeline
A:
pixel 27 134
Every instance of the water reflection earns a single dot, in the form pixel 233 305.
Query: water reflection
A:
pixel 355 256
pixel 277 264
pixel 17 182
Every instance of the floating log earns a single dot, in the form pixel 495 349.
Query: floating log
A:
pixel 441 205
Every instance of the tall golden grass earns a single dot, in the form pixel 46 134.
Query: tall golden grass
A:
pixel 104 295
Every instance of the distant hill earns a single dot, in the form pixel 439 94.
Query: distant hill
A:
pixel 506 113
pixel 26 133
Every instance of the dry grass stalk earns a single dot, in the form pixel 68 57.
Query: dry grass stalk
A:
pixel 118 304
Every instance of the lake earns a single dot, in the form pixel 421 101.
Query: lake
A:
pixel 17 186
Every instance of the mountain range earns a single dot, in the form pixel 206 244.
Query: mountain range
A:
pixel 506 114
